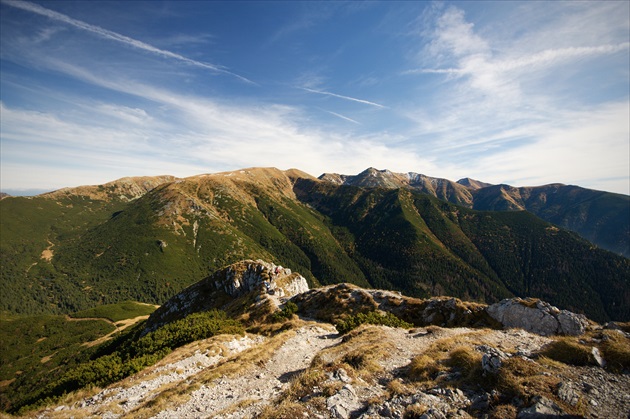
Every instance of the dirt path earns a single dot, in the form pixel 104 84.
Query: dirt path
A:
pixel 120 326
pixel 256 388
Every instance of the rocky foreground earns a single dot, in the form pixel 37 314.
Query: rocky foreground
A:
pixel 448 359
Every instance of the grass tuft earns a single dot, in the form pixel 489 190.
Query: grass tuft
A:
pixel 568 351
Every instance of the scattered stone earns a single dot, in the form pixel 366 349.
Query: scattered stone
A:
pixel 491 360
pixel 541 408
pixel 341 404
pixel 598 357
pixel 567 393
pixel 480 402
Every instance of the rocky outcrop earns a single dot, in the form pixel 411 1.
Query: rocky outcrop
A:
pixel 228 284
pixel 537 317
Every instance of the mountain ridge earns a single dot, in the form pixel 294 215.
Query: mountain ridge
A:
pixel 599 216
pixel 70 252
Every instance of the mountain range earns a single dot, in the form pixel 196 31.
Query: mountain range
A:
pixel 148 238
pixel 600 217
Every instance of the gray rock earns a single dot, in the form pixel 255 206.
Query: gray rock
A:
pixel 567 393
pixel 480 402
pixel 541 408
pixel 537 317
pixel 342 375
pixel 492 359
pixel 598 357
pixel 343 403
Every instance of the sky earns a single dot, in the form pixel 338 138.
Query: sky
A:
pixel 521 93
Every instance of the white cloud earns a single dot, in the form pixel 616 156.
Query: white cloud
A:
pixel 506 112
pixel 113 36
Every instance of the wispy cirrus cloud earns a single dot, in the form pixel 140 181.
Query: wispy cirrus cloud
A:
pixel 146 140
pixel 509 110
pixel 352 99
pixel 114 36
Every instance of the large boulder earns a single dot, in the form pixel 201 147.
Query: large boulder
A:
pixel 537 316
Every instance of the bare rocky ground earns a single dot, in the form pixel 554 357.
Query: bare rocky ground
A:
pixel 246 376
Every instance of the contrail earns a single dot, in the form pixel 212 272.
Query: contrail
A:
pixel 343 97
pixel 338 115
pixel 51 14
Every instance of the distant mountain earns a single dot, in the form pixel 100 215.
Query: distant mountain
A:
pixel 4 195
pixel 600 217
pixel 372 178
pixel 146 239
pixel 472 183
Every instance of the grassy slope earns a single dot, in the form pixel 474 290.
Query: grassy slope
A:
pixel 153 247
pixel 601 217
pixel 32 347
pixel 439 248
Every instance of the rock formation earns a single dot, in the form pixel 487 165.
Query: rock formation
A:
pixel 258 277
pixel 538 317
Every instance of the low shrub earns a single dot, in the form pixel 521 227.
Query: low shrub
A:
pixel 372 317
pixel 287 312
pixel 133 354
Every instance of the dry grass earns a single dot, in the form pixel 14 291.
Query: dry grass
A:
pixel 453 353
pixel 569 351
pixel 285 410
pixel 529 302
pixel 303 384
pixel 360 352
pixel 504 411
pixel 616 351
pixel 398 388
pixel 415 411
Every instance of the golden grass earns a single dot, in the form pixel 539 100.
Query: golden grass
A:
pixel 415 411
pixel 504 411
pixel 285 410
pixel 398 388
pixel 569 351
pixel 616 351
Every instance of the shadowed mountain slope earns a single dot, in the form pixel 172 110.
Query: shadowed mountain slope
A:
pixel 600 217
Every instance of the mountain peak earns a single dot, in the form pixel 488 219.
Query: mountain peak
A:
pixel 125 189
pixel 374 178
pixel 472 183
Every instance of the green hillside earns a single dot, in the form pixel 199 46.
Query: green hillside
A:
pixel 421 245
pixel 66 253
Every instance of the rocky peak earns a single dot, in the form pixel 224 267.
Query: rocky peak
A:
pixel 261 280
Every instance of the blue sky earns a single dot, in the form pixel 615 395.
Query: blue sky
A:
pixel 524 93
